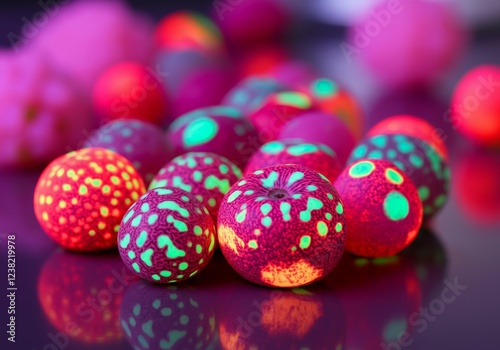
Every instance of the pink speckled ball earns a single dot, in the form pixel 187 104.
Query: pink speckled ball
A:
pixel 166 236
pixel 315 156
pixel 322 128
pixel 382 206
pixel 82 38
pixel 406 43
pixel 221 130
pixel 143 144
pixel 42 114
pixel 277 110
pixel 207 176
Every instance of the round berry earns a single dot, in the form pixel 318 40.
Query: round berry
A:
pixel 282 226
pixel 383 210
pixel 166 236
pixel 81 197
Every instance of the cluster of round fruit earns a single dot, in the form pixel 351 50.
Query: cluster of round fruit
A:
pixel 283 221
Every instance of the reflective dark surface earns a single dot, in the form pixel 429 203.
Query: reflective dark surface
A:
pixel 440 293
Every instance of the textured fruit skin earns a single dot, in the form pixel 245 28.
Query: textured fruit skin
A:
pixel 411 126
pixel 166 236
pixel 426 168
pixel 282 242
pixel 207 176
pixel 330 98
pixel 277 110
pixel 167 311
pixel 92 285
pixel 81 197
pixel 250 93
pixel 475 105
pixel 220 130
pixel 143 144
pixel 315 156
pixel 185 30
pixel 383 210
pixel 321 127
pixel 130 90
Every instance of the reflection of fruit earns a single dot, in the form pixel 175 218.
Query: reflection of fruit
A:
pixel 281 319
pixel 282 226
pixel 173 317
pixel 477 185
pixel 81 295
pixel 428 257
pixel 378 296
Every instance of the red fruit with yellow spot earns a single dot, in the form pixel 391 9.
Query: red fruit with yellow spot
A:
pixel 383 209
pixel 82 196
pixel 282 226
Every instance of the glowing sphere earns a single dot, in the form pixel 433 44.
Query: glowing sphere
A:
pixel 82 196
pixel 166 317
pixel 81 295
pixel 130 90
pixel 329 97
pixel 183 30
pixel 383 209
pixel 278 109
pixel 427 169
pixel 143 144
pixel 378 296
pixel 321 127
pixel 250 93
pixel 207 176
pixel 314 156
pixel 220 130
pixel 411 126
pixel 475 105
pixel 391 40
pixel 282 226
pixel 166 236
